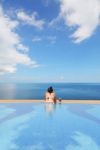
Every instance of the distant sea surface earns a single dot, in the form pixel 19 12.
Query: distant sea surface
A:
pixel 69 91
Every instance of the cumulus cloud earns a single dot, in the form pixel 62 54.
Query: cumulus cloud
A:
pixel 10 46
pixel 30 19
pixel 23 48
pixel 84 15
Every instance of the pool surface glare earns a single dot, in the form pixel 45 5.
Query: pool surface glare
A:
pixel 44 126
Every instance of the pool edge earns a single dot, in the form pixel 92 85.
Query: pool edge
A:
pixel 63 101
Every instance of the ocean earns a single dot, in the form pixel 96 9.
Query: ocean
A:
pixel 75 91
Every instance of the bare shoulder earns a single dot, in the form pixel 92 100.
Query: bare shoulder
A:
pixel 46 93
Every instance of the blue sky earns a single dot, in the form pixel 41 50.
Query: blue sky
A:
pixel 49 41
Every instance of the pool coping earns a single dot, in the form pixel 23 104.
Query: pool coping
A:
pixel 63 101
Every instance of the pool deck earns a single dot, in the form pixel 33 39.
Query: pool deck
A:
pixel 63 101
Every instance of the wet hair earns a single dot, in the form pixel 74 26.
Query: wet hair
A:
pixel 50 89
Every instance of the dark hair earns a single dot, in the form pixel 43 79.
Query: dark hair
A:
pixel 50 89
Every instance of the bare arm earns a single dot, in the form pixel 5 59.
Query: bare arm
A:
pixel 55 99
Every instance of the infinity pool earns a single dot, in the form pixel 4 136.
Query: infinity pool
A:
pixel 38 126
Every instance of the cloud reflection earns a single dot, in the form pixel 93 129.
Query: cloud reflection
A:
pixel 5 111
pixel 10 131
pixel 84 142
pixel 50 107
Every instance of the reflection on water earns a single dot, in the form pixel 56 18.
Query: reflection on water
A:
pixel 7 91
pixel 50 107
pixel 83 112
pixel 14 110
pixel 10 130
pixel 28 127
pixel 5 111
pixel 84 142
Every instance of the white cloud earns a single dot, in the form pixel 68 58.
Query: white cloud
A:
pixel 61 78
pixel 30 19
pixel 51 39
pixel 36 39
pixel 53 22
pixel 10 44
pixel 84 15
pixel 46 2
pixel 23 48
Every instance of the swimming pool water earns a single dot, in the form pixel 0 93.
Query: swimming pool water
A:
pixel 42 126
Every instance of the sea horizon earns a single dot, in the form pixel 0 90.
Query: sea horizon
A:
pixel 68 91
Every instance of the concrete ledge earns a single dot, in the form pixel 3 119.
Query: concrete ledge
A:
pixel 63 101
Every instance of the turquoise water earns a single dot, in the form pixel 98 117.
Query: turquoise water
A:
pixel 69 91
pixel 49 127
